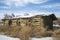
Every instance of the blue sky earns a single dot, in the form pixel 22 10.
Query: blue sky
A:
pixel 29 6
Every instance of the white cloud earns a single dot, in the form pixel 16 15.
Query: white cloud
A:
pixel 23 2
pixel 56 5
pixel 38 1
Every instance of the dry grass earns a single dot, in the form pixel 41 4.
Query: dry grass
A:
pixel 14 30
pixel 10 31
pixel 56 34
pixel 25 32
pixel 3 28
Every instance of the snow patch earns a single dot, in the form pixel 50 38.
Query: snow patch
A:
pixel 4 37
pixel 45 38
pixel 56 25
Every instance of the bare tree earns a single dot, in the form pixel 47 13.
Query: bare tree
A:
pixel 7 16
pixel 26 14
pixel 12 15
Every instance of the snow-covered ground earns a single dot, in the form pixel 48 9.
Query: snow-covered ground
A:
pixel 56 25
pixel 4 37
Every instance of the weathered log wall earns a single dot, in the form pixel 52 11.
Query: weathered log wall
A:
pixel 25 27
